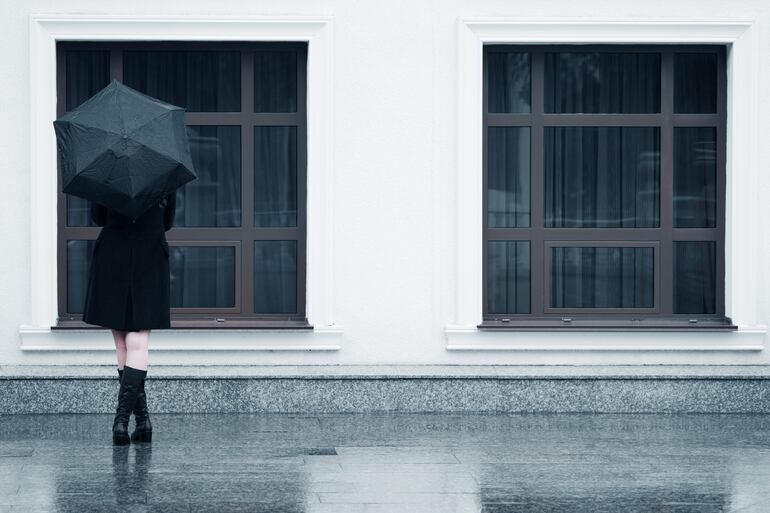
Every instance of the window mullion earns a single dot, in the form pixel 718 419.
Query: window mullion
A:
pixel 721 179
pixel 665 279
pixel 246 272
pixel 537 189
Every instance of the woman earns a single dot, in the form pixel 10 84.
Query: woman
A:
pixel 128 291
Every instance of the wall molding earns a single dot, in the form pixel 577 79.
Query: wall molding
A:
pixel 742 205
pixel 45 30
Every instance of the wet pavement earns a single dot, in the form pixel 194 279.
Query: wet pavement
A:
pixel 412 463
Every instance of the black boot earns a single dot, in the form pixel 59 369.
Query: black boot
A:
pixel 143 431
pixel 130 382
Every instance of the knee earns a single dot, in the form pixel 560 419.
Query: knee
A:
pixel 135 341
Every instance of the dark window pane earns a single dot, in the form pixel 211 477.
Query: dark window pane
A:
pixel 275 276
pixel 695 174
pixel 202 276
pixel 509 82
pixel 695 83
pixel 586 277
pixel 508 179
pixel 87 72
pixel 214 199
pixel 695 277
pixel 602 177
pixel 196 80
pixel 275 82
pixel 609 82
pixel 508 282
pixel 78 264
pixel 275 176
pixel 78 211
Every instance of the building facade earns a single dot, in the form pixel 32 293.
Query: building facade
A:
pixel 421 183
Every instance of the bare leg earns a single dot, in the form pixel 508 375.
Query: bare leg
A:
pixel 137 343
pixel 120 347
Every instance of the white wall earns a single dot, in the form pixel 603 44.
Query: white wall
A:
pixel 395 86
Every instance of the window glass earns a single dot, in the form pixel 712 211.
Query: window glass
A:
pixel 508 181
pixel 602 177
pixel 87 72
pixel 202 276
pixel 254 207
pixel 602 82
pixel 275 176
pixel 695 174
pixel 275 276
pixel 275 81
pixel 78 263
pixel 509 82
pixel 214 198
pixel 593 201
pixel 695 83
pixel 601 277
pixel 508 276
pixel 199 81
pixel 694 277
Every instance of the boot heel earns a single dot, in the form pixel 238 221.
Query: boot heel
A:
pixel 145 436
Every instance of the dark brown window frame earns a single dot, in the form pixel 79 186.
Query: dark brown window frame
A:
pixel 545 318
pixel 242 237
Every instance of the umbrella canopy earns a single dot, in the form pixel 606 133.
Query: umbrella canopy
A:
pixel 123 149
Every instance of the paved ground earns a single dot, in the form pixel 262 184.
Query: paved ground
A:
pixel 411 463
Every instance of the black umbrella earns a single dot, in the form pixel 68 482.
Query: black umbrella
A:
pixel 124 150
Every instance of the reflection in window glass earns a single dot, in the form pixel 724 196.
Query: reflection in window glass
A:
pixel 508 277
pixel 508 179
pixel 602 177
pixel 695 174
pixel 78 211
pixel 202 276
pixel 695 277
pixel 275 81
pixel 600 277
pixel 695 83
pixel 78 265
pixel 87 72
pixel 199 81
pixel 275 176
pixel 275 276
pixel 214 199
pixel 509 82
pixel 610 82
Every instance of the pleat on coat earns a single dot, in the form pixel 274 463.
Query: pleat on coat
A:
pixel 128 279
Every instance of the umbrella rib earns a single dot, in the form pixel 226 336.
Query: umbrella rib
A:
pixel 160 151
pixel 100 154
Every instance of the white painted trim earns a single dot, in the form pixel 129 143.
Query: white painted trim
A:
pixel 467 339
pixel 45 30
pixel 742 207
pixel 322 339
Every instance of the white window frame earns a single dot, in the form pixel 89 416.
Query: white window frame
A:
pixel 44 31
pixel 742 202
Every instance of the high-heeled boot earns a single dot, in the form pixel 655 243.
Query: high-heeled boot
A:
pixel 143 429
pixel 130 382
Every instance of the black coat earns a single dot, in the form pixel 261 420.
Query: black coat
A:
pixel 128 280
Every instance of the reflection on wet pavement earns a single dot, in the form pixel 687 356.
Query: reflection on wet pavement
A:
pixel 412 463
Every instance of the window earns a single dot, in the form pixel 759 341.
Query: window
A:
pixel 237 248
pixel 604 187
